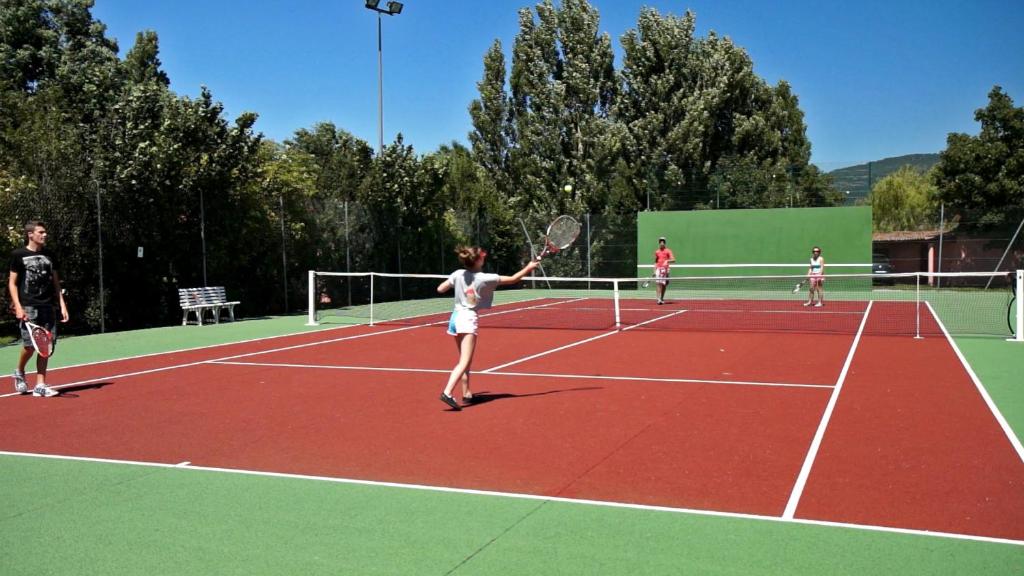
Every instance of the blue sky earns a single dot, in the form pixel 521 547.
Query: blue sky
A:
pixel 875 79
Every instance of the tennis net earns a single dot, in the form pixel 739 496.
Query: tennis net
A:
pixel 911 304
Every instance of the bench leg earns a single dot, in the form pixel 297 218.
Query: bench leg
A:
pixel 184 317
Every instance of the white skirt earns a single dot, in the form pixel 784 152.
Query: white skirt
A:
pixel 463 321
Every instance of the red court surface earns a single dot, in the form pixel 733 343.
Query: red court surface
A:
pixel 713 421
pixel 913 445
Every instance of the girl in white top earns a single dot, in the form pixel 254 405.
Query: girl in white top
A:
pixel 816 277
pixel 474 290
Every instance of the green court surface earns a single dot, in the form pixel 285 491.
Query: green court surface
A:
pixel 62 516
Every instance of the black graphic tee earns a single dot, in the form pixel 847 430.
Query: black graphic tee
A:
pixel 35 276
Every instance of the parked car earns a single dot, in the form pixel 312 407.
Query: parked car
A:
pixel 880 267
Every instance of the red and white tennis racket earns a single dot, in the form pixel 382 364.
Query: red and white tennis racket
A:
pixel 562 232
pixel 42 339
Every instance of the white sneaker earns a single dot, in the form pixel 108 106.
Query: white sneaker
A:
pixel 20 386
pixel 808 303
pixel 819 305
pixel 44 391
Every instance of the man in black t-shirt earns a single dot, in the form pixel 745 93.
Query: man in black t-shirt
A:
pixel 35 291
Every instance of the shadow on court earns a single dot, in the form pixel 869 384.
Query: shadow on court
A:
pixel 72 391
pixel 485 397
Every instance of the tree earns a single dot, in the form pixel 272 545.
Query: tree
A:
pixel 547 131
pixel 334 226
pixel 903 200
pixel 703 126
pixel 981 178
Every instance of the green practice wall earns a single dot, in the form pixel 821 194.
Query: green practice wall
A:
pixel 758 236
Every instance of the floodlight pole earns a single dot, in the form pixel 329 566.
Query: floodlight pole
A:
pixel 392 9
pixel 380 88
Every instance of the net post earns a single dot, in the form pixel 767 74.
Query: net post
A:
pixel 311 291
pixel 372 275
pixel 917 307
pixel 1019 326
pixel 615 299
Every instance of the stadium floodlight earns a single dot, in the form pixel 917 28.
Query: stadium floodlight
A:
pixel 394 8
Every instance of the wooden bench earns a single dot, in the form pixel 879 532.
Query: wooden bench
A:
pixel 201 300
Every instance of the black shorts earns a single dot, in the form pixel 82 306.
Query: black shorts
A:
pixel 45 316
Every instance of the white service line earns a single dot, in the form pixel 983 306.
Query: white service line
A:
pixel 523 496
pixel 529 374
pixel 591 339
pixel 332 367
pixel 812 453
pixel 981 388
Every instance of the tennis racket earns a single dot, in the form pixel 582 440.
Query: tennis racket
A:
pixel 647 283
pixel 800 285
pixel 562 232
pixel 42 339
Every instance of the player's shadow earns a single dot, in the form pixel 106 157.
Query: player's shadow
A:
pixel 72 391
pixel 485 397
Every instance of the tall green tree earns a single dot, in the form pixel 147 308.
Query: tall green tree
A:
pixel 904 200
pixel 82 131
pixel 547 130
pixel 334 224
pixel 703 126
pixel 981 178
pixel 58 77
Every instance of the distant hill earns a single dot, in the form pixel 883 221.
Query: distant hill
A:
pixel 855 178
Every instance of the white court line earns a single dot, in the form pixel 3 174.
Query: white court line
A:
pixel 274 350
pixel 812 453
pixel 592 338
pixel 981 388
pixel 747 312
pixel 527 374
pixel 211 361
pixel 180 350
pixel 523 496
pixel 332 367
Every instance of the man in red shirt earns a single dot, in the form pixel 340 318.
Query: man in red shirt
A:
pixel 662 258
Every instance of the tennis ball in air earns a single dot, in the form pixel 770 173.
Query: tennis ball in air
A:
pixel 567 188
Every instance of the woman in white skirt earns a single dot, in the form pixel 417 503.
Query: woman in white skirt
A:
pixel 474 290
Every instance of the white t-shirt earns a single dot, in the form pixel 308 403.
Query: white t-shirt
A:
pixel 473 290
pixel 816 266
